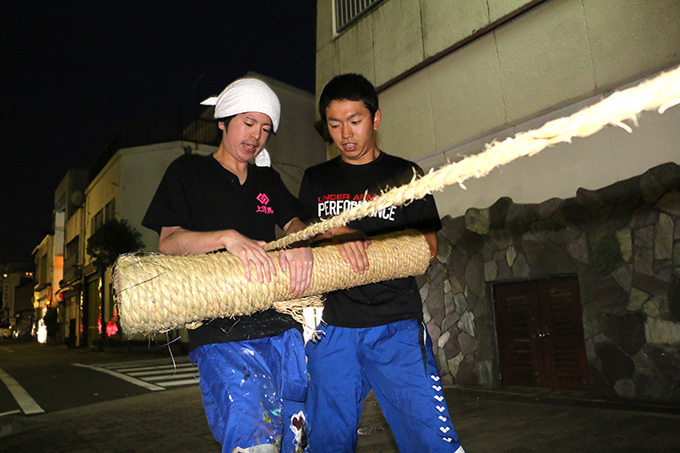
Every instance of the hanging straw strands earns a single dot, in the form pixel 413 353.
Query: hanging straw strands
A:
pixel 659 93
pixel 157 292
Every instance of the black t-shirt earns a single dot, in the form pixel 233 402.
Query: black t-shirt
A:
pixel 335 186
pixel 198 194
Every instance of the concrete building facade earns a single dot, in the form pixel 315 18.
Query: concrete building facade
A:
pixel 456 75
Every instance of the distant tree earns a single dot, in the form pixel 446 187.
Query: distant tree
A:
pixel 111 240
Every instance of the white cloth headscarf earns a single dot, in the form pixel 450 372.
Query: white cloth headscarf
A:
pixel 249 95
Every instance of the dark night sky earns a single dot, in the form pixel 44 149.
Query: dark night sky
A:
pixel 72 72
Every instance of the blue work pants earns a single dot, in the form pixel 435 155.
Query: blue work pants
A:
pixel 396 361
pixel 254 391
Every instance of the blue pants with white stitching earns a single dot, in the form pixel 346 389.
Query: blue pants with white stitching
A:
pixel 254 391
pixel 397 362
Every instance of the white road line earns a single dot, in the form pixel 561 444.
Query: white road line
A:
pixel 122 376
pixel 2 414
pixel 146 374
pixel 150 370
pixel 146 367
pixel 145 362
pixel 27 404
pixel 172 377
pixel 192 381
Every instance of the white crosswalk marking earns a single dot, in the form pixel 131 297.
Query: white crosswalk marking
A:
pixel 154 374
pixel 26 402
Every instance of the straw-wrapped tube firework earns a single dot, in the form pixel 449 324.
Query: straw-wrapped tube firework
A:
pixel 160 292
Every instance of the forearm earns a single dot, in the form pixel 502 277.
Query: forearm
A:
pixel 431 239
pixel 298 260
pixel 178 241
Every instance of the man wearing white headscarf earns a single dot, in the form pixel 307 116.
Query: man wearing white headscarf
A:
pixel 252 368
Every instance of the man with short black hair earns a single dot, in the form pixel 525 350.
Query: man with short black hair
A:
pixel 253 372
pixel 373 336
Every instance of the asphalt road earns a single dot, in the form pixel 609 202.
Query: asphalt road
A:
pixel 132 418
pixel 47 375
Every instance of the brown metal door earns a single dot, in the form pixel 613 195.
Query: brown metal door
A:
pixel 540 334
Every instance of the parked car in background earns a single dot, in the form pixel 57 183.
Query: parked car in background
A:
pixel 5 330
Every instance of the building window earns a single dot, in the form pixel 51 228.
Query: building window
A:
pixel 348 12
pixel 110 210
pixel 97 221
pixel 72 248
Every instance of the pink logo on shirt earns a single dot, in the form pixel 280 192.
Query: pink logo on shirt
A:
pixel 264 199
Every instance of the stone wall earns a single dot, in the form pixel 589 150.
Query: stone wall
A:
pixel 623 244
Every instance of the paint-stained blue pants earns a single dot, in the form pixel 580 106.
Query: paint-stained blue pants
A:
pixel 254 391
pixel 397 362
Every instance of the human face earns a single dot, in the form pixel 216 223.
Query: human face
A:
pixel 245 136
pixel 353 131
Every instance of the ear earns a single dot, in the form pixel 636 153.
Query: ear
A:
pixel 220 125
pixel 376 120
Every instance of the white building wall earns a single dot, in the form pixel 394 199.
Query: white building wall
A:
pixel 73 226
pixel 141 170
pixel 546 62
pixel 99 192
pixel 593 162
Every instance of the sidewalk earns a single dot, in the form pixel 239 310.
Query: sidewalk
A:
pixel 486 421
pixel 541 420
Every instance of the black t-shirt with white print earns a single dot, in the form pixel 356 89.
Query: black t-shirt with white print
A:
pixel 335 186
pixel 198 194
